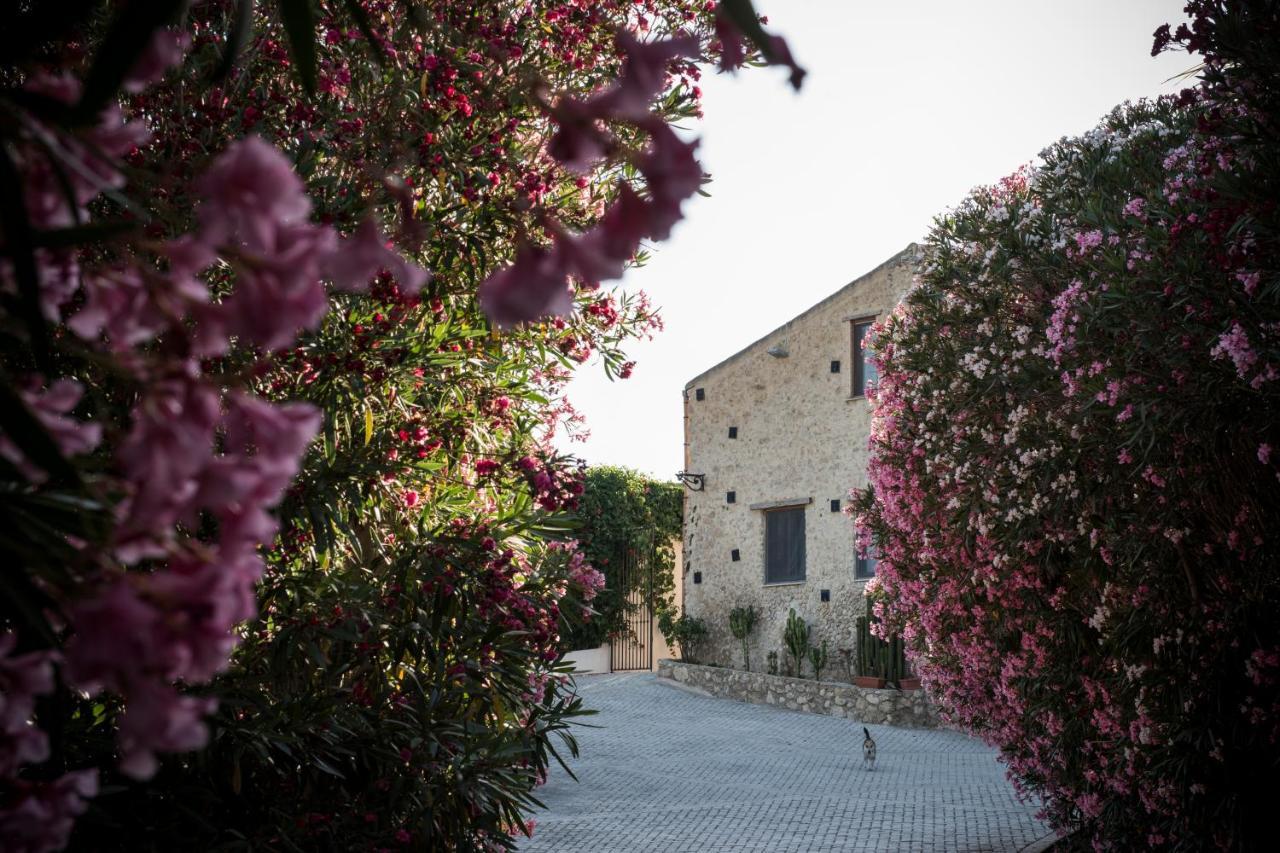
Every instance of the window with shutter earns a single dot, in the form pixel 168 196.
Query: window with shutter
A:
pixel 784 545
pixel 864 369
pixel 865 567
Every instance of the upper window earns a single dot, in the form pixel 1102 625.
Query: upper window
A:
pixel 864 369
pixel 784 545
pixel 865 567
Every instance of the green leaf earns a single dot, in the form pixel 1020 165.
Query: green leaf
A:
pixel 237 38
pixel 361 17
pixel 20 247
pixel 300 26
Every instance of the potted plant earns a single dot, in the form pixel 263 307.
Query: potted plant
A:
pixel 873 660
pixel 909 682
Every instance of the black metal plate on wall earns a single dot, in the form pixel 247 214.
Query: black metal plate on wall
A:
pixel 731 497
pixel 835 504
pixel 735 555
pixel 700 394
pixel 697 577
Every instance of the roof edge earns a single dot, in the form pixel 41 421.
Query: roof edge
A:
pixel 891 261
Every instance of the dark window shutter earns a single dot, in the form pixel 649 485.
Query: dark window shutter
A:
pixel 784 545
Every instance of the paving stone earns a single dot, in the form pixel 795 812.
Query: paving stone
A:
pixel 670 770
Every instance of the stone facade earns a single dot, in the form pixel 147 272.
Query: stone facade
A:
pixel 800 438
pixel 907 708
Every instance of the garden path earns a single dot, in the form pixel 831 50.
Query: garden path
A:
pixel 674 770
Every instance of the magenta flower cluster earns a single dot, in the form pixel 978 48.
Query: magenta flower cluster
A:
pixel 1071 483
pixel 540 281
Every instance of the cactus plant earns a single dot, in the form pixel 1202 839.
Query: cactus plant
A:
pixel 773 662
pixel 742 621
pixel 796 638
pixel 818 660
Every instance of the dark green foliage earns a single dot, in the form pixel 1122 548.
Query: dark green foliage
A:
pixel 685 632
pixel 628 519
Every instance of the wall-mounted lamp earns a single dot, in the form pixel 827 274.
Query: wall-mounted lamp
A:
pixel 695 482
pixel 778 351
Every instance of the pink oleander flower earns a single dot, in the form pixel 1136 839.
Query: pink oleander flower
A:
pixel 280 293
pixel 733 54
pixel 643 76
pixel 248 192
pixel 1087 240
pixel 1234 344
pixel 536 285
pixel 602 253
pixel 118 304
pixel 673 175
pixel 1264 453
pixel 1249 280
pixel 51 408
pixel 168 445
pixel 360 257
pixel 164 51
pixel 22 679
pixel 160 719
pixel 39 816
pixel 579 142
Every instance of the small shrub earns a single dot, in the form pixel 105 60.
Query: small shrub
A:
pixel 742 621
pixel 685 632
pixel 773 662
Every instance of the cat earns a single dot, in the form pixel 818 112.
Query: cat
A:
pixel 868 751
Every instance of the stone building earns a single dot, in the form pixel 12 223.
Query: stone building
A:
pixel 779 433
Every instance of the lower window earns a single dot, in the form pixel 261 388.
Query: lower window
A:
pixel 784 545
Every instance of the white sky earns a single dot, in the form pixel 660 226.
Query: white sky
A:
pixel 907 106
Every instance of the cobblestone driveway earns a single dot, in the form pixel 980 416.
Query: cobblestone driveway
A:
pixel 671 770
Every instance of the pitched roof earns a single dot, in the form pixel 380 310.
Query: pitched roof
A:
pixel 910 251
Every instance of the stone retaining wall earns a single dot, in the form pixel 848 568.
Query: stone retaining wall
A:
pixel 907 708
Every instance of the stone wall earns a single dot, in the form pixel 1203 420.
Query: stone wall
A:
pixel 909 708
pixel 800 436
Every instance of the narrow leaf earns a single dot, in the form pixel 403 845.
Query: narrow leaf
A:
pixel 128 37
pixel 300 26
pixel 237 38
pixel 20 248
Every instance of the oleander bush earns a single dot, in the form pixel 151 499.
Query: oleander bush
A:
pixel 289 293
pixel 1074 488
